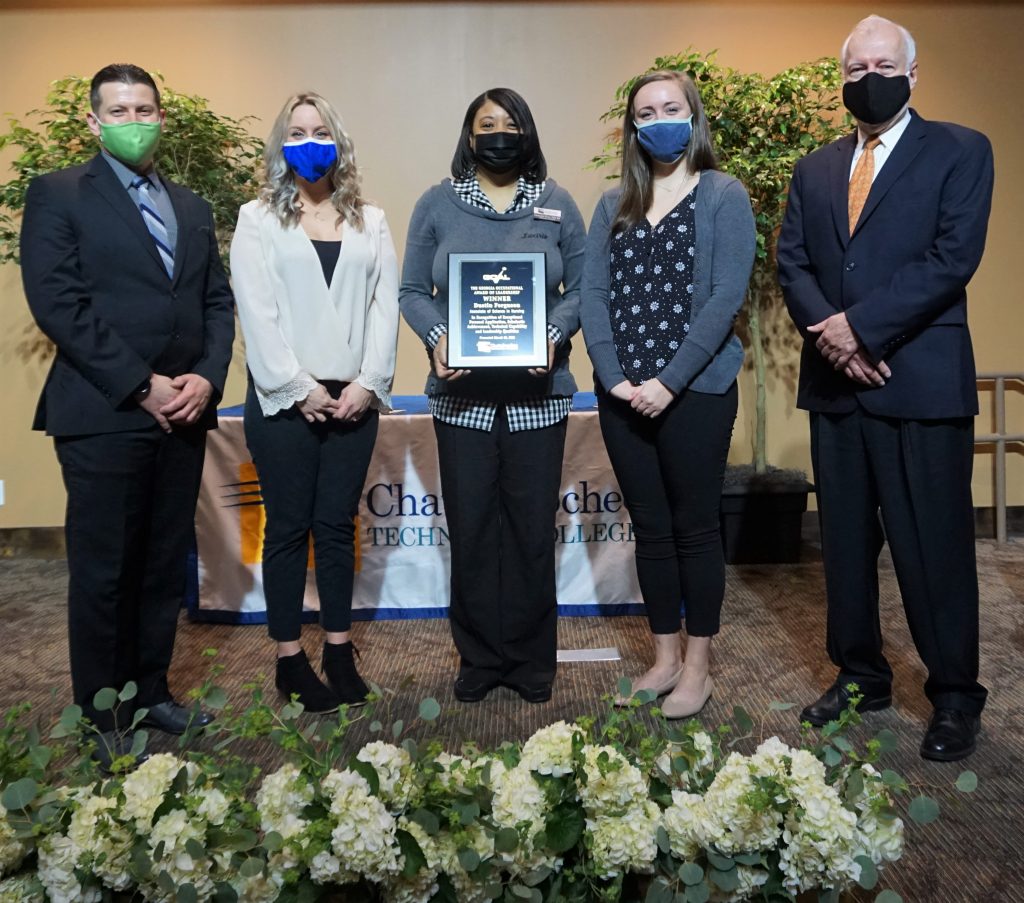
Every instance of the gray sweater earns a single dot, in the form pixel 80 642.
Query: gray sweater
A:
pixel 711 355
pixel 443 223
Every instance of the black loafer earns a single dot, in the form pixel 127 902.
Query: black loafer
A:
pixel 836 700
pixel 172 718
pixel 468 689
pixel 534 693
pixel 951 735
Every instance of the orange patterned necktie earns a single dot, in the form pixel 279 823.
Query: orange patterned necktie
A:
pixel 860 182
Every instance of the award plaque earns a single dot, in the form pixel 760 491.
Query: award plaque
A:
pixel 497 310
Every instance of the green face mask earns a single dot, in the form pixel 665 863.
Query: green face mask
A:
pixel 130 142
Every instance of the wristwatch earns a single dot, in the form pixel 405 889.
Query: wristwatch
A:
pixel 142 392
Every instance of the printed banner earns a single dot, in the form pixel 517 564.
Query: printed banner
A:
pixel 402 549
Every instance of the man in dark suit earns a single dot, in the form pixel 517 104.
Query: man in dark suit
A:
pixel 883 232
pixel 122 272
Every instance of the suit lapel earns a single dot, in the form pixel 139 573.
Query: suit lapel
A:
pixel 839 184
pixel 902 155
pixel 179 201
pixel 106 183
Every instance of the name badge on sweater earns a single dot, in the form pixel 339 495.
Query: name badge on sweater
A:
pixel 552 216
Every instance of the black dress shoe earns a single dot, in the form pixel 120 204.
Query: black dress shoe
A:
pixel 472 689
pixel 836 700
pixel 532 692
pixel 950 736
pixel 112 745
pixel 173 718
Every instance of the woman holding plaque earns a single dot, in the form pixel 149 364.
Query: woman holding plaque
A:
pixel 316 282
pixel 668 258
pixel 500 429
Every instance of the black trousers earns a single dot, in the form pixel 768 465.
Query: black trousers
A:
pixel 129 527
pixel 500 496
pixel 670 470
pixel 311 476
pixel 917 475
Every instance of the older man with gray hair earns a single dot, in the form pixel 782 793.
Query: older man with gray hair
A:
pixel 883 231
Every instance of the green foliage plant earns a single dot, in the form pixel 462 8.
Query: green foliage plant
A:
pixel 761 126
pixel 211 154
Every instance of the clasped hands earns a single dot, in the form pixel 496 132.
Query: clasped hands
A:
pixel 839 345
pixel 648 400
pixel 176 402
pixel 318 405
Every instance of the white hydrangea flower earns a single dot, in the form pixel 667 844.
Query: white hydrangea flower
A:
pixel 683 822
pixel 144 789
pixel 750 879
pixel 170 835
pixel 12 851
pixel 467 890
pixel 879 833
pixel 393 765
pixel 613 784
pixel 325 868
pixel 626 843
pixel 213 805
pixel 259 888
pixel 549 750
pixel 818 839
pixel 364 834
pixel 58 856
pixel 732 825
pixel 103 841
pixel 519 801
pixel 22 889
pixel 280 800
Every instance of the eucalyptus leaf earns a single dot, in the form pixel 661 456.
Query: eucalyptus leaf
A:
pixel 186 893
pixel 469 859
pixel 720 862
pixel 967 782
pixel 251 868
pixel 868 872
pixel 215 698
pixel 564 827
pixel 128 692
pixel 698 893
pixel 430 709
pixel 624 686
pixel 397 728
pixel 105 699
pixel 888 896
pixel 727 881
pixel 782 706
pixel 924 810
pixel 659 892
pixel 19 794
pixel 887 739
pixel 742 719
pixel 506 840
pixel 662 839
pixel 691 873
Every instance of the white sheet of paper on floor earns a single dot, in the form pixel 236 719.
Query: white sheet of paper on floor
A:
pixel 607 654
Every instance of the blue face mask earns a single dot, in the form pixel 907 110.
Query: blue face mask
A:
pixel 311 159
pixel 665 139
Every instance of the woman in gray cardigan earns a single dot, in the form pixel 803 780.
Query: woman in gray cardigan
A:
pixel 500 432
pixel 668 258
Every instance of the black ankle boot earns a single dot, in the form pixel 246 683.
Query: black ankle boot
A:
pixel 340 669
pixel 296 676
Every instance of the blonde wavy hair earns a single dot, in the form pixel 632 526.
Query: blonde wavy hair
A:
pixel 279 191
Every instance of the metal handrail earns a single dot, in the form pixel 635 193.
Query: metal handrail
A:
pixel 1000 438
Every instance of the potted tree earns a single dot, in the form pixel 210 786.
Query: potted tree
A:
pixel 761 126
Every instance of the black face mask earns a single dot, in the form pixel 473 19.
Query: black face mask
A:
pixel 498 151
pixel 876 98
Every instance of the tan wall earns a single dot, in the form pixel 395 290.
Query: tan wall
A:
pixel 402 74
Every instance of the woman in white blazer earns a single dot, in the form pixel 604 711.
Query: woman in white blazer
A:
pixel 316 282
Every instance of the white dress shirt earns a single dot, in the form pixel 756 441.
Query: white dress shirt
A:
pixel 887 141
pixel 297 329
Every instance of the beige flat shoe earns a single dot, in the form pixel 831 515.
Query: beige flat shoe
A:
pixel 688 707
pixel 659 690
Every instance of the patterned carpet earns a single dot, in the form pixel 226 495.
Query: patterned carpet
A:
pixel 771 649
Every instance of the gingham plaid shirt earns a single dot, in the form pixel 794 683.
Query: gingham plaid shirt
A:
pixel 533 413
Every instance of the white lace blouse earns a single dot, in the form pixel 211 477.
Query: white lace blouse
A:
pixel 297 329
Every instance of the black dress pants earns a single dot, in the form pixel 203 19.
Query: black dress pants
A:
pixel 129 527
pixel 670 471
pixel 311 477
pixel 500 497
pixel 917 475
